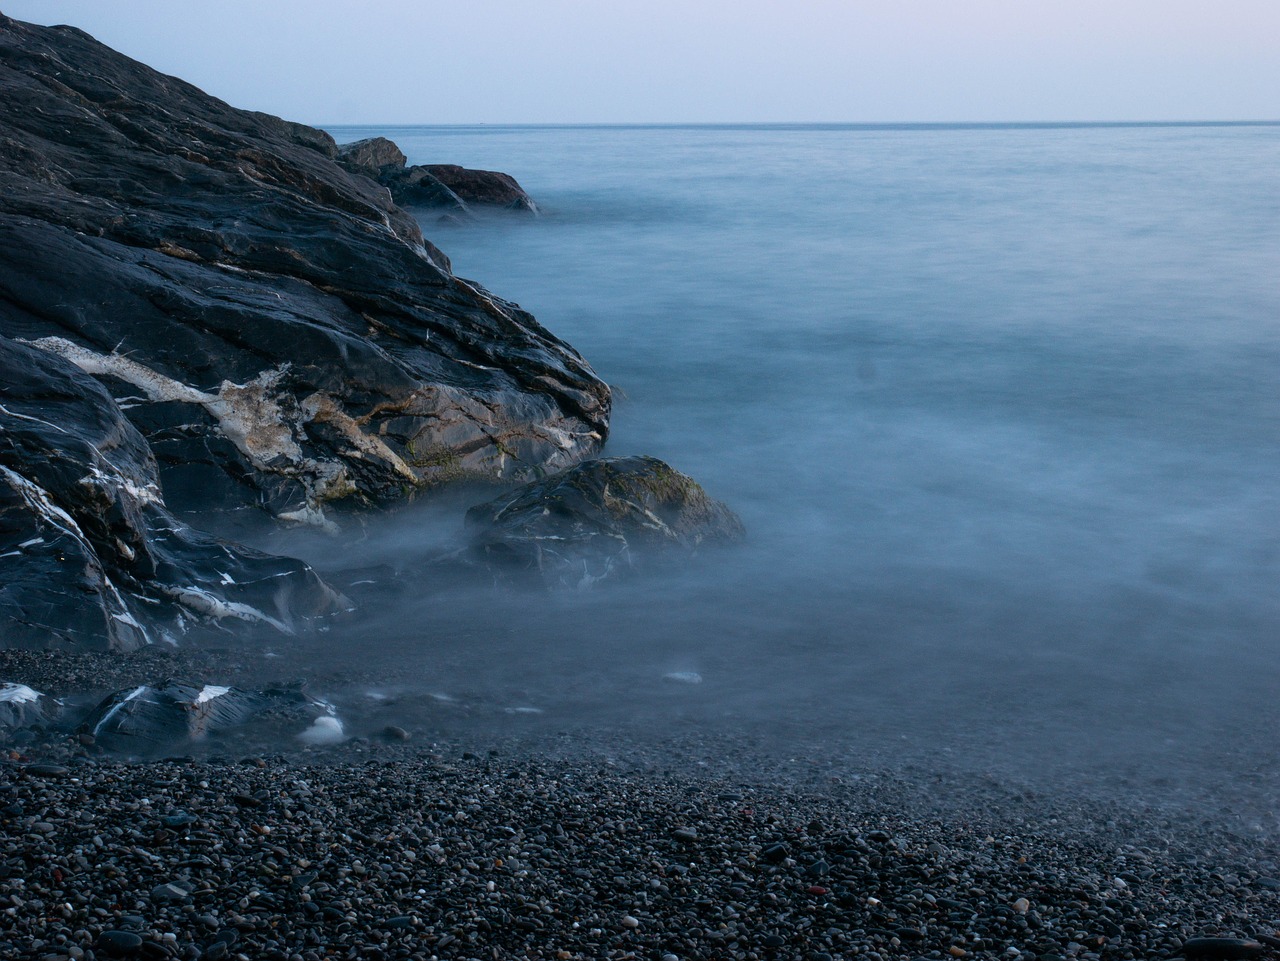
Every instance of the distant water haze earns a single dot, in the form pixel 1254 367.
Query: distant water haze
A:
pixel 998 408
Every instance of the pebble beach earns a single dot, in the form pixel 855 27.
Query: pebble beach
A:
pixel 417 845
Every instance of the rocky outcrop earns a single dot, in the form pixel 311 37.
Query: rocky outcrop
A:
pixel 151 718
pixel 445 187
pixel 483 187
pixel 596 520
pixel 371 154
pixel 274 325
pixel 90 557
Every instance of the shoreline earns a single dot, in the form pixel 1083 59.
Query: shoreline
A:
pixel 478 843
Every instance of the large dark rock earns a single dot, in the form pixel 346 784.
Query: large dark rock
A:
pixel 371 154
pixel 151 718
pixel 276 327
pixel 596 520
pixel 90 558
pixel 483 186
pixel 445 187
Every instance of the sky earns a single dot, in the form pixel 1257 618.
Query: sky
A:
pixel 331 62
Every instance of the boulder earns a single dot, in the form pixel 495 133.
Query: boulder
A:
pixel 371 154
pixel 275 326
pixel 22 707
pixel 440 186
pixel 596 520
pixel 483 187
pixel 152 718
pixel 415 188
pixel 90 557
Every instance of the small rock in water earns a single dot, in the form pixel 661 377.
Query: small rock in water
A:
pixel 393 733
pixel 684 677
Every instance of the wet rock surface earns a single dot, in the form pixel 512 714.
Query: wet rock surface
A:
pixel 151 718
pixel 91 557
pixel 22 707
pixel 597 520
pixel 278 330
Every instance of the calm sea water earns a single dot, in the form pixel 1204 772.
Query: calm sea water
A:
pixel 999 407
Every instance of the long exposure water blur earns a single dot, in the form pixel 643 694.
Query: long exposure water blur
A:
pixel 997 404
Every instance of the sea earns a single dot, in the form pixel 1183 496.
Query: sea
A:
pixel 998 404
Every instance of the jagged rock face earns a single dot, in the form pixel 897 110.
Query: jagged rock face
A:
pixel 21 707
pixel 275 326
pixel 150 718
pixel 596 520
pixel 90 558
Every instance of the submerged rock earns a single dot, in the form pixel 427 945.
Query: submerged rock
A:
pixel 22 707
pixel 596 520
pixel 150 718
pixel 275 326
pixel 90 558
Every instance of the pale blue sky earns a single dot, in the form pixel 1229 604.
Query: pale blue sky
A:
pixel 618 61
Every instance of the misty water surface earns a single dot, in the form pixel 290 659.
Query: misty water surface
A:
pixel 998 407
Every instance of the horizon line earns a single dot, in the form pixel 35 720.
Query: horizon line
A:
pixel 864 124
